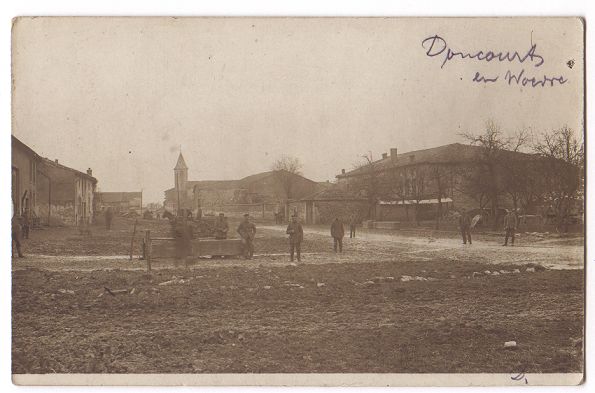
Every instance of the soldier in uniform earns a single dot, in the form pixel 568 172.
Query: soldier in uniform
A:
pixel 465 226
pixel 221 227
pixel 337 232
pixel 296 235
pixel 510 225
pixel 109 215
pixel 247 231
pixel 352 225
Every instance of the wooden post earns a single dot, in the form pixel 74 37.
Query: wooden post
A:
pixel 132 240
pixel 148 249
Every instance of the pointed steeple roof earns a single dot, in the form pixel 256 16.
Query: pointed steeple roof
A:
pixel 181 163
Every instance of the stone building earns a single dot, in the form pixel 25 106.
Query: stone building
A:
pixel 24 162
pixel 120 202
pixel 65 196
pixel 261 194
pixel 423 184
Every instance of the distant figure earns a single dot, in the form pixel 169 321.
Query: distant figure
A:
pixel 17 234
pixel 510 225
pixel 296 235
pixel 109 215
pixel 26 223
pixel 221 227
pixel 352 225
pixel 247 232
pixel 465 226
pixel 337 232
pixel 182 233
pixel 147 215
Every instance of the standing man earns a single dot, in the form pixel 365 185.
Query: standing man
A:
pixel 337 232
pixel 465 226
pixel 510 225
pixel 17 234
pixel 296 235
pixel 247 232
pixel 221 227
pixel 352 225
pixel 109 215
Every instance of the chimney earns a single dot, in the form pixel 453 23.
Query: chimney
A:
pixel 89 172
pixel 393 153
pixel 342 171
pixel 384 155
pixel 56 160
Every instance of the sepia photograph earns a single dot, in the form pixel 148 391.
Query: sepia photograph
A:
pixel 375 201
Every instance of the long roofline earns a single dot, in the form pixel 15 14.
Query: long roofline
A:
pixel 56 164
pixel 357 171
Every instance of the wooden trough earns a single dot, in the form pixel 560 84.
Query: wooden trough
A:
pixel 165 247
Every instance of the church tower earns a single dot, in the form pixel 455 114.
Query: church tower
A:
pixel 181 180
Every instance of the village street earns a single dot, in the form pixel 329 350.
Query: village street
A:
pixel 391 302
pixel 552 252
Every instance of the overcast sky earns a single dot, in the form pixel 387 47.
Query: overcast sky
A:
pixel 121 95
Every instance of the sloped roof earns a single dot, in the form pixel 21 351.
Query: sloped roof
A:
pixel 113 197
pixel 454 153
pixel 181 164
pixel 49 162
pixel 232 184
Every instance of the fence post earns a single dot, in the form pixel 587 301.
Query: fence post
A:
pixel 148 249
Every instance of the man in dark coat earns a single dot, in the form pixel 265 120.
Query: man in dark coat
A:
pixel 109 215
pixel 510 225
pixel 221 227
pixel 465 226
pixel 296 235
pixel 352 225
pixel 337 232
pixel 247 232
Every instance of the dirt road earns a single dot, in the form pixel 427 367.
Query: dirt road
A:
pixel 389 303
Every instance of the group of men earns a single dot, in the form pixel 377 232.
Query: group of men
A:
pixel 466 223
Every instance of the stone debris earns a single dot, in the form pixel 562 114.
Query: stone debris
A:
pixel 176 280
pixel 516 271
pixel 495 273
pixel 487 272
pixel 369 282
pixel 510 344
pixel 267 287
pixel 66 291
pixel 530 270
pixel 504 272
pixel 418 278
pixel 406 278
pixel 320 284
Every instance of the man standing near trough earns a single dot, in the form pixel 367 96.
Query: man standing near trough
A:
pixel 247 232
pixel 221 227
pixel 337 232
pixel 296 235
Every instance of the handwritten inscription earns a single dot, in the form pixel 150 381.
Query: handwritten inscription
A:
pixel 436 46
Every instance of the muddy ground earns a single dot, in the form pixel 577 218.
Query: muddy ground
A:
pixel 390 303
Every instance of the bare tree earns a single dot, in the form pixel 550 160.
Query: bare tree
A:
pixel 418 182
pixel 368 182
pixel 563 155
pixel 442 177
pixel 287 169
pixel 489 178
